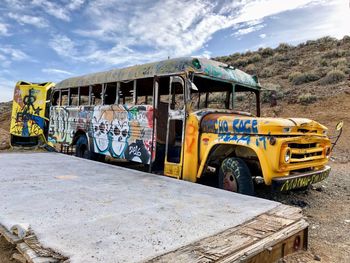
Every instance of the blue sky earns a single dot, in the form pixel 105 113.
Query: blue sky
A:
pixel 42 40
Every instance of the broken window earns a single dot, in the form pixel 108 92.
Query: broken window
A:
pixel 84 96
pixel 74 97
pixel 110 93
pixel 126 93
pixel 96 95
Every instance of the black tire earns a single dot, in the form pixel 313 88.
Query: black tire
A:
pixel 234 176
pixel 82 150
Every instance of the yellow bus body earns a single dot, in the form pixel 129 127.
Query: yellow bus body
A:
pixel 30 113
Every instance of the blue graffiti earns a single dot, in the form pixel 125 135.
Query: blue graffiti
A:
pixel 245 126
pixel 245 139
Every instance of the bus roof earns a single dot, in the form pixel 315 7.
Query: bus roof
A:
pixel 44 85
pixel 207 67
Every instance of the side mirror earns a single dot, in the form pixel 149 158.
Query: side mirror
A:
pixel 339 126
pixel 193 86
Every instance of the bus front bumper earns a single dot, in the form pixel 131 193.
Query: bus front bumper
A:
pixel 287 183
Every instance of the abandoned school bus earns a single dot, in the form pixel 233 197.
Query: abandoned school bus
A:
pixel 190 118
pixel 30 113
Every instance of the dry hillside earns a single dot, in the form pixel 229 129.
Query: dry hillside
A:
pixel 309 80
pixel 5 119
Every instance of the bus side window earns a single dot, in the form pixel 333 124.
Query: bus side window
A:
pixel 177 96
pixel 96 96
pixel 55 98
pixel 110 93
pixel 74 97
pixel 126 93
pixel 84 96
pixel 64 98
pixel 144 91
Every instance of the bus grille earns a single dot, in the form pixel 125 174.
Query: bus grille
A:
pixel 305 152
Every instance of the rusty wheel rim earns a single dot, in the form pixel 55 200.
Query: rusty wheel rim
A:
pixel 230 183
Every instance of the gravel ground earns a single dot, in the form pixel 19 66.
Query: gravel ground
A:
pixel 326 206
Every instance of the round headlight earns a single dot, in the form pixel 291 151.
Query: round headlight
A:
pixel 287 155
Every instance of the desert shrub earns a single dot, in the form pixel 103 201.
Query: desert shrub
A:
pixel 241 62
pixel 280 57
pixel 292 63
pixel 266 52
pixel 248 53
pixel 344 69
pixel 298 78
pixel 283 47
pixel 255 58
pixel 269 88
pixel 333 76
pixel 326 40
pixel 251 69
pixel 339 62
pixel 324 62
pixel 310 43
pixel 346 39
pixel 334 53
pixel 268 72
pixel 306 98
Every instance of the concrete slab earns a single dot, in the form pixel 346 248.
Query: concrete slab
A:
pixel 96 212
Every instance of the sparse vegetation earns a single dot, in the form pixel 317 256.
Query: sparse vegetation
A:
pixel 269 89
pixel 306 98
pixel 333 76
pixel 299 70
pixel 298 78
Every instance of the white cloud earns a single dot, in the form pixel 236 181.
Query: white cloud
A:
pixel 247 30
pixel 169 28
pixel 63 46
pixel 30 20
pixel 4 30
pixel 13 54
pixel 6 89
pixel 258 9
pixel 54 71
pixel 58 10
pixel 262 35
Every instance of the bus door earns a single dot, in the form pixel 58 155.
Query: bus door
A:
pixel 175 128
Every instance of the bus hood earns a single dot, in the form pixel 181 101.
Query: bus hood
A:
pixel 238 124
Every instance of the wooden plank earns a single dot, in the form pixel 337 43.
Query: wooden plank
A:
pixel 32 257
pixel 245 241
pixel 13 239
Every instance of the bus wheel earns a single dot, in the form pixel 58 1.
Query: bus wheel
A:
pixel 82 150
pixel 234 176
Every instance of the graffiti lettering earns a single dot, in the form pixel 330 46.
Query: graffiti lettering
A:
pixel 244 139
pixel 304 181
pixel 245 126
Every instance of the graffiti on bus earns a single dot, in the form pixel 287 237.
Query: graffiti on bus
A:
pixel 28 106
pixel 116 130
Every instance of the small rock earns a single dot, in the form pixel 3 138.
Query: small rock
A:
pixel 299 203
pixel 319 189
pixel 347 221
pixel 317 258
